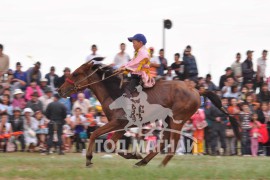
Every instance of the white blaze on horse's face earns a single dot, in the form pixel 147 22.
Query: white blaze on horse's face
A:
pixel 138 111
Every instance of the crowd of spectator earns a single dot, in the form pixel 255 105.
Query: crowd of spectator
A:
pixel 32 116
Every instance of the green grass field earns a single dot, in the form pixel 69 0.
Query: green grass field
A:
pixel 71 166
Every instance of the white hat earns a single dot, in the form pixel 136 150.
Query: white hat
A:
pixel 18 91
pixel 28 110
pixel 44 80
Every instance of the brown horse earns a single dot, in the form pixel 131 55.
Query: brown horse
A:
pixel 176 95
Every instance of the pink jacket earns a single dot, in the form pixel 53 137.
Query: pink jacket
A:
pixel 19 103
pixel 198 119
pixel 30 91
pixel 134 63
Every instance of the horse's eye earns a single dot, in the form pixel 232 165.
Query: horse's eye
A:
pixel 75 74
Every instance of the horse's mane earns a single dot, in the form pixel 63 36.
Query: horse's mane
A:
pixel 111 84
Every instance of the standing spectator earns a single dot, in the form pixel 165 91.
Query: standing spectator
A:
pixel 4 62
pixel 30 126
pixel 208 128
pixel 62 79
pixel 31 89
pixel 93 54
pixel 178 67
pixel 19 75
pixel 237 68
pixel 121 58
pixel 155 63
pixel 90 116
pixel 163 63
pixel 254 133
pixel 218 128
pixel 247 68
pixel 47 98
pixel 245 118
pixel 199 123
pixel 18 100
pixel 82 103
pixel 52 78
pixel 210 86
pixel 78 124
pixel 191 68
pixel 261 68
pixel 34 73
pixel 187 131
pixel 56 113
pixel 264 94
pixel 16 122
pixel 223 78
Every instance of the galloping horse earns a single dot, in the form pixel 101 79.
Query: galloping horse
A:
pixel 175 95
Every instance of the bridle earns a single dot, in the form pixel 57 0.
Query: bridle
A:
pixel 77 86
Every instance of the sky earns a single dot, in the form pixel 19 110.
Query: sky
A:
pixel 60 33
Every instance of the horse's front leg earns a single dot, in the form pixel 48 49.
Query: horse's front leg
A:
pixel 110 126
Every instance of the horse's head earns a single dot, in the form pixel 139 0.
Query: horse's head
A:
pixel 79 79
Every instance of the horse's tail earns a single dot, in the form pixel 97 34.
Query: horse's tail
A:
pixel 217 102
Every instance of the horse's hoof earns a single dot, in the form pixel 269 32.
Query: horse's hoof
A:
pixel 89 165
pixel 136 166
pixel 161 166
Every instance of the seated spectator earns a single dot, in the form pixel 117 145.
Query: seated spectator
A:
pixel 42 130
pixel 47 98
pixel 17 125
pixel 227 89
pixel 31 89
pixel 44 84
pixel 62 79
pixel 264 94
pixel 243 94
pixel 223 78
pixel 34 103
pixel 52 78
pixel 209 84
pixel 34 73
pixel 18 100
pixel 82 103
pixel 20 76
pixel 5 106
pixel 250 86
pixel 5 129
pixel 30 126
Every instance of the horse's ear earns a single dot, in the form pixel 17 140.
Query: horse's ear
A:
pixel 88 65
pixel 98 58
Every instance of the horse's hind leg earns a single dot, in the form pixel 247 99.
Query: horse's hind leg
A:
pixel 110 126
pixel 174 139
pixel 151 155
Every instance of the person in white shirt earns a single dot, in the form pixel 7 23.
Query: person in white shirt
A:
pixel 121 58
pixel 82 103
pixel 236 67
pixel 93 55
pixel 261 67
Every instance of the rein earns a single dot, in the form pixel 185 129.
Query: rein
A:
pixel 78 87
